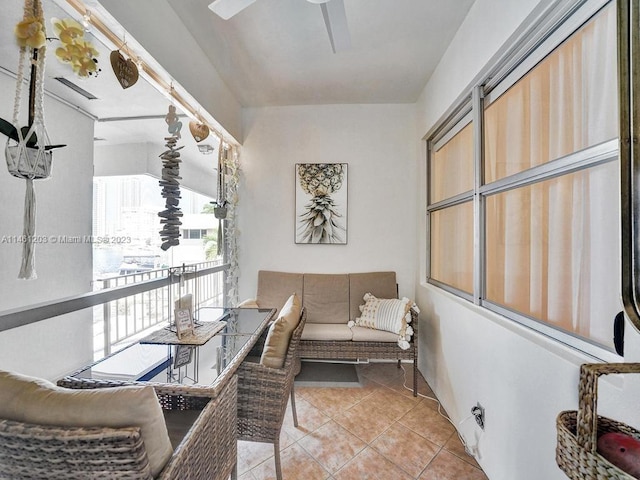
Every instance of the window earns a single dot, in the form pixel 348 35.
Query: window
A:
pixel 452 166
pixel 552 248
pixel 451 222
pixel 193 234
pixel 566 103
pixel 452 246
pixel 546 203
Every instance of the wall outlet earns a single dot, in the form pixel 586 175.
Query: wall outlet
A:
pixel 478 413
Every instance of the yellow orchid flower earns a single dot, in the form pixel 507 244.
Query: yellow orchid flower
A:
pixel 86 49
pixel 67 30
pixel 83 67
pixel 75 49
pixel 30 33
pixel 67 53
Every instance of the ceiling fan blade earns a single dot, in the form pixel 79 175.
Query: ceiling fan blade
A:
pixel 335 18
pixel 228 8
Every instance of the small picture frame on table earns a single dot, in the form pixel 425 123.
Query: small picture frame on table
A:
pixel 184 322
pixel 182 356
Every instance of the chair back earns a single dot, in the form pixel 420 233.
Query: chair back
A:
pixel 44 451
pixel 292 359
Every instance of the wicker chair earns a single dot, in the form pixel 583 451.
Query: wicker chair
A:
pixel 263 393
pixel 208 450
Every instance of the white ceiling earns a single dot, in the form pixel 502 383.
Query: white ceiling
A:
pixel 275 52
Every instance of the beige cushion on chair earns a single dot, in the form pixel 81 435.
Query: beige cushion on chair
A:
pixel 37 401
pixel 277 341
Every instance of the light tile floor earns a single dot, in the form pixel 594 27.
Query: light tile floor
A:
pixel 377 432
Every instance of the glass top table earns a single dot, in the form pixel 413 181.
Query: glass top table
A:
pixel 184 364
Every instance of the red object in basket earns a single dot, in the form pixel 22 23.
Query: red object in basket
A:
pixel 621 450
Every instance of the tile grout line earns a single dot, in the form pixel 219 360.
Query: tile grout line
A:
pixel 391 387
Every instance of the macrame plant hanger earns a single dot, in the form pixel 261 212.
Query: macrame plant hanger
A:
pixel 29 157
pixel 220 205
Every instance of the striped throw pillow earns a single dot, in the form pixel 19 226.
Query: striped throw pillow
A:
pixel 392 315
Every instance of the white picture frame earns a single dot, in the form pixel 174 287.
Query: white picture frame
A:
pixel 183 322
pixel 321 203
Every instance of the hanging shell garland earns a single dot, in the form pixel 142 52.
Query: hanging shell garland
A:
pixel 232 183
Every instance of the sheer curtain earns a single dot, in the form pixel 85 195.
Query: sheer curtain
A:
pixel 451 244
pixel 452 166
pixel 552 247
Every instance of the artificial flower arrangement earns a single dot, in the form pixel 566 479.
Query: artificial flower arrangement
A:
pixel 75 49
pixel 30 36
pixel 30 32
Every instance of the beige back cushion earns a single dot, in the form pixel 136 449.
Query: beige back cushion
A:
pixel 32 400
pixel 274 288
pixel 326 298
pixel 379 284
pixel 277 342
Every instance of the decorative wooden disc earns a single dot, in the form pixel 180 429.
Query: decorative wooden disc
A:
pixel 125 70
pixel 199 131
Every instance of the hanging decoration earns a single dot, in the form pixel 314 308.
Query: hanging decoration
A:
pixel 199 131
pixel 232 183
pixel 27 151
pixel 173 122
pixel 170 183
pixel 220 204
pixel 74 49
pixel 125 70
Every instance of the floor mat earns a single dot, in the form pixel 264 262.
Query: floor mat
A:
pixel 320 374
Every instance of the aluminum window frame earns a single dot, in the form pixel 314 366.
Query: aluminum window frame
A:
pixel 551 28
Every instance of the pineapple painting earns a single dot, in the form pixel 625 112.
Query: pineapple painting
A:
pixel 321 203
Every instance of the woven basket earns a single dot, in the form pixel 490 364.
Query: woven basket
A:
pixel 578 432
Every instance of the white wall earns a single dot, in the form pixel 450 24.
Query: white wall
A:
pixel 522 378
pixel 377 142
pixel 64 208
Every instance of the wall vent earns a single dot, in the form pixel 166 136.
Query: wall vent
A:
pixel 76 88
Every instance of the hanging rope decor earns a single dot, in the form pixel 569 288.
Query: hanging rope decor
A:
pixel 27 153
pixel 170 183
pixel 220 204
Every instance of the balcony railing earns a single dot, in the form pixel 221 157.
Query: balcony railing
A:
pixel 127 306
pixel 124 320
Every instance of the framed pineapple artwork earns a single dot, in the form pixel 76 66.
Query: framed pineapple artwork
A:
pixel 321 203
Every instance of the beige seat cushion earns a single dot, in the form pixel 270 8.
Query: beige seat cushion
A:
pixel 279 334
pixel 362 334
pixel 326 298
pixel 37 401
pixel 327 332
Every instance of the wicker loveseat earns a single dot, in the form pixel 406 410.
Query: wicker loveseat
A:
pixel 332 301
